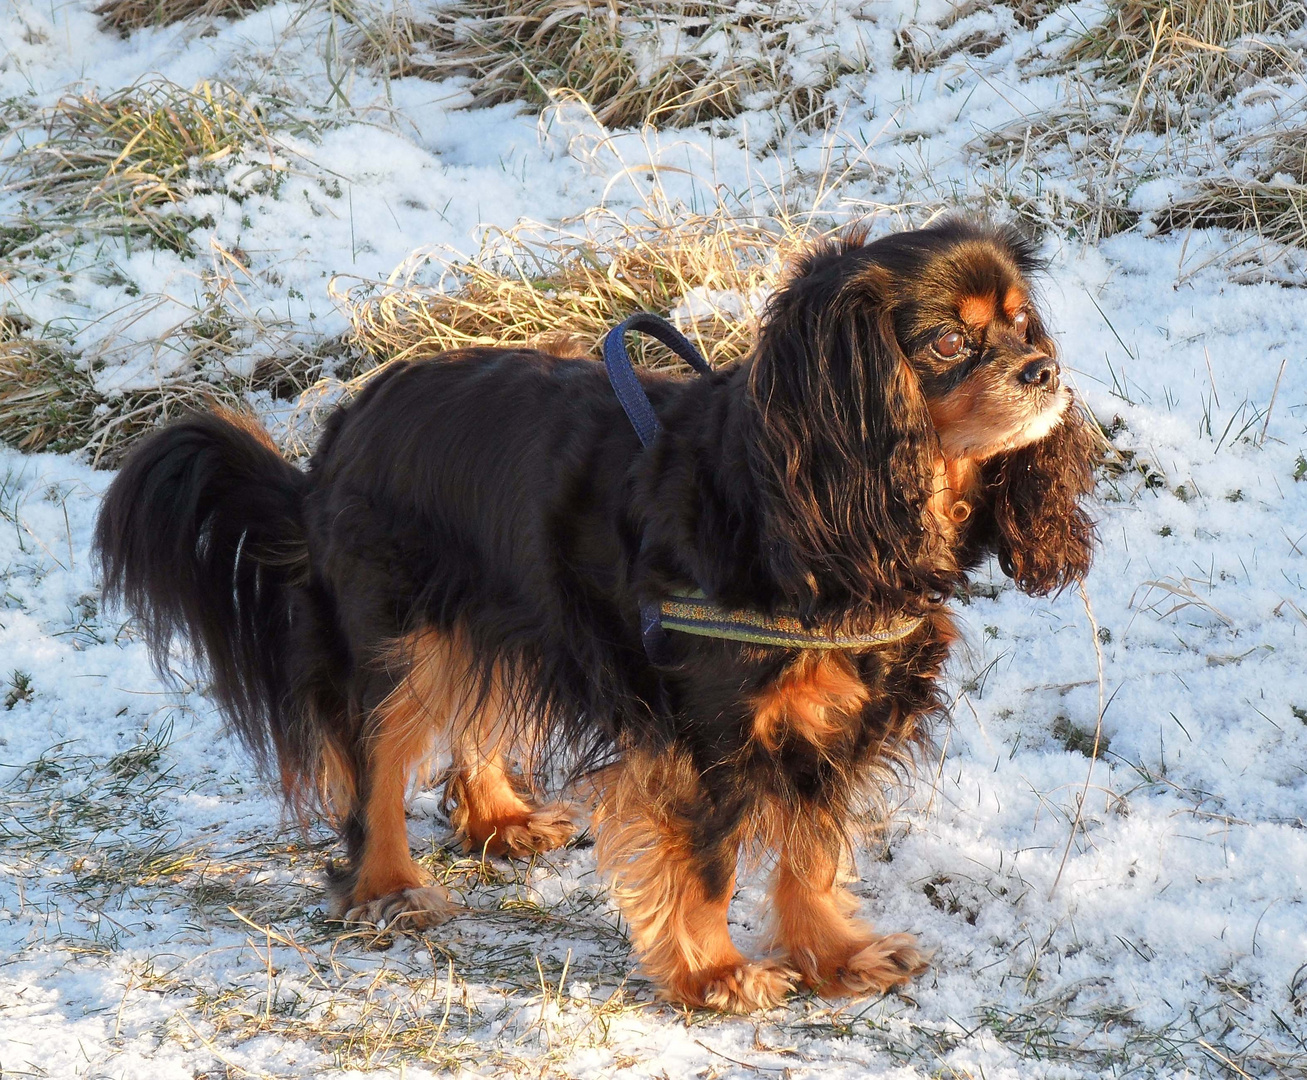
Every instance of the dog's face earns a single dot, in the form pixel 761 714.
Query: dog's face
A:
pixel 877 360
pixel 969 328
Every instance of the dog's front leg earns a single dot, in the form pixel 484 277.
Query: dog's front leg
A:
pixel 490 816
pixel 813 924
pixel 671 857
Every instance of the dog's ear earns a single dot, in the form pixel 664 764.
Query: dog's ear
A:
pixel 1043 536
pixel 844 427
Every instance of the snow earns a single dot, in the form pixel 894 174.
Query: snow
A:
pixel 159 917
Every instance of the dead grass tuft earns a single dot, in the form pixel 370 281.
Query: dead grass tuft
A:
pixel 663 62
pixel 128 15
pixel 120 164
pixel 923 45
pixel 49 400
pixel 1192 46
pixel 1030 13
pixel 1090 193
pixel 1271 202
pixel 1146 74
pixel 46 401
pixel 121 168
pixel 564 290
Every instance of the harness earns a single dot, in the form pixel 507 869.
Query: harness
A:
pixel 691 612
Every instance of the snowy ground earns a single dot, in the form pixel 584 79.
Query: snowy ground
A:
pixel 159 919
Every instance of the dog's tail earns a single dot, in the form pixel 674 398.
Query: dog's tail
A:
pixel 201 535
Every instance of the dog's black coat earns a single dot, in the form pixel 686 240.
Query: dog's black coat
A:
pixel 504 493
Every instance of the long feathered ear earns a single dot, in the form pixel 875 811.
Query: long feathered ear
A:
pixel 1044 538
pixel 845 437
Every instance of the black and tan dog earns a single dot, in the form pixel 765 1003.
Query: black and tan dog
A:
pixel 463 565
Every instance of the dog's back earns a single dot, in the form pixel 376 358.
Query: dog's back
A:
pixel 431 498
pixel 449 459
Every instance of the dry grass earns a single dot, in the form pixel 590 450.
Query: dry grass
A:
pixel 46 401
pixel 128 15
pixel 488 991
pixel 557 288
pixel 119 165
pixel 49 400
pixel 1143 78
pixel 564 289
pixel 1089 192
pixel 924 45
pixel 1191 46
pixel 1271 203
pixel 663 62
pixel 560 289
pixel 90 838
pixel 1030 13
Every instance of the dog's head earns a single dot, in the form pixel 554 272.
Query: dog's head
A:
pixel 968 327
pixel 883 366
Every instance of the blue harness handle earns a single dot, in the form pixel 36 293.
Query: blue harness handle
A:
pixel 631 395
pixel 635 403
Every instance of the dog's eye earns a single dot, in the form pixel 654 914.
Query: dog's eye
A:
pixel 950 344
pixel 1021 321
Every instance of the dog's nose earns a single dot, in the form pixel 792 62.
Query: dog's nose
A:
pixel 1043 373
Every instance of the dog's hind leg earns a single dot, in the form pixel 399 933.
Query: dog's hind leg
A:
pixel 387 888
pixel 672 863
pixel 813 924
pixel 384 885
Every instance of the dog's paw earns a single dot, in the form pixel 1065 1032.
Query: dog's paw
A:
pixel 408 910
pixel 886 962
pixel 545 828
pixel 749 986
pixel 548 827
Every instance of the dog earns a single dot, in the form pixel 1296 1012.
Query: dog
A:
pixel 462 566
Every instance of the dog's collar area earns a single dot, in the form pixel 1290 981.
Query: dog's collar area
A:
pixel 691 612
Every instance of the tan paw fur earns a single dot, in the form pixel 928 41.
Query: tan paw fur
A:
pixel 749 986
pixel 543 829
pixel 406 910
pixel 878 966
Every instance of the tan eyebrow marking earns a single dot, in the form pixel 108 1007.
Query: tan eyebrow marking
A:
pixel 1014 301
pixel 977 311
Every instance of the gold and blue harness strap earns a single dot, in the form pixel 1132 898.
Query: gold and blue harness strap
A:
pixel 692 612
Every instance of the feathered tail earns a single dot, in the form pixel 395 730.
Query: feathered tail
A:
pixel 201 535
